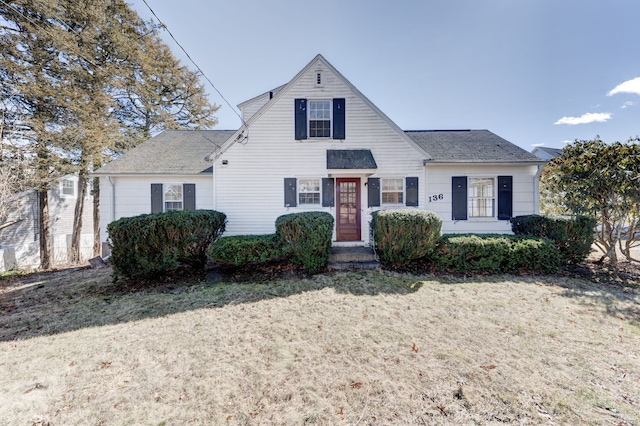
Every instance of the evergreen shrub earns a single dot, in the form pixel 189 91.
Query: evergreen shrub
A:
pixel 308 236
pixel 243 250
pixel 493 253
pixel 153 245
pixel 402 236
pixel 574 235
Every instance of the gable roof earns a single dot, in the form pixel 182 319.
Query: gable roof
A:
pixel 173 152
pixel 469 146
pixel 552 152
pixel 280 92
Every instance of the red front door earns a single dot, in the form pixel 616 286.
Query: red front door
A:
pixel 348 209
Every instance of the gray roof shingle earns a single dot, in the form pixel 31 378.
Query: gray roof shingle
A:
pixel 469 146
pixel 350 159
pixel 175 152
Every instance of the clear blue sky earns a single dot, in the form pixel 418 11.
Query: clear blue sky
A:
pixel 536 72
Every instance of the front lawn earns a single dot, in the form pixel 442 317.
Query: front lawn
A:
pixel 336 348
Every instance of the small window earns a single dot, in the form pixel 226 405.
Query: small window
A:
pixel 173 197
pixel 481 197
pixel 319 119
pixel 309 191
pixel 68 188
pixel 392 191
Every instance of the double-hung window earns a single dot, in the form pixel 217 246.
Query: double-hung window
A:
pixel 481 197
pixel 392 191
pixel 319 119
pixel 68 188
pixel 172 197
pixel 308 191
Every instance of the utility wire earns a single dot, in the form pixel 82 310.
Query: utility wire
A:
pixel 192 61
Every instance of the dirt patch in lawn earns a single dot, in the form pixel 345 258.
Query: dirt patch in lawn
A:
pixel 336 348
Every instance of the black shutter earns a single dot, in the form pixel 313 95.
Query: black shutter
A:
pixel 290 192
pixel 505 197
pixel 373 185
pixel 338 118
pixel 459 197
pixel 328 191
pixel 301 119
pixel 156 198
pixel 189 196
pixel 411 190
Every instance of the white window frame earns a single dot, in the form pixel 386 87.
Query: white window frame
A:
pixel 64 186
pixel 477 203
pixel 309 119
pixel 401 192
pixel 301 192
pixel 165 189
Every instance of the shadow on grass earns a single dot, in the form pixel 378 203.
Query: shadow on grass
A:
pixel 618 289
pixel 48 304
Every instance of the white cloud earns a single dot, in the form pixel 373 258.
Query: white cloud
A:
pixel 627 104
pixel 537 144
pixel 567 142
pixel 629 86
pixel 590 117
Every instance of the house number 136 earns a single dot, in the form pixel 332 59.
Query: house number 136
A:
pixel 436 197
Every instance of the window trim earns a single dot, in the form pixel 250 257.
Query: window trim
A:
pixel 402 191
pixel 309 103
pixel 165 189
pixel 74 187
pixel 471 200
pixel 299 192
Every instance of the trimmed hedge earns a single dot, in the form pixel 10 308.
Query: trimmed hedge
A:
pixel 242 250
pixel 402 236
pixel 152 245
pixel 493 253
pixel 308 235
pixel 574 235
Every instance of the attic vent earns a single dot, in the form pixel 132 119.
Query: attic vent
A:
pixel 318 78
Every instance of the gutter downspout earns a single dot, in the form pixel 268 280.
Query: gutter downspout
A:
pixel 113 199
pixel 536 190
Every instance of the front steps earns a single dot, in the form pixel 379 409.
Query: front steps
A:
pixel 352 258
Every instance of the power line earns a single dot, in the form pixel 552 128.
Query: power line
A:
pixel 192 61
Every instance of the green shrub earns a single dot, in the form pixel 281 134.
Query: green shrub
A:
pixel 308 235
pixel 494 253
pixel 574 235
pixel 152 245
pixel 401 236
pixel 242 250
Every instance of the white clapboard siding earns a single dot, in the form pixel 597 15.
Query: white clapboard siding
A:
pixel 250 187
pixel 439 182
pixel 133 195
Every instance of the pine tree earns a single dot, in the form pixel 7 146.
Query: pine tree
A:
pixel 94 80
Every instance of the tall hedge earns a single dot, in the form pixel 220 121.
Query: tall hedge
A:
pixel 401 236
pixel 309 236
pixel 152 245
pixel 574 235
pixel 495 253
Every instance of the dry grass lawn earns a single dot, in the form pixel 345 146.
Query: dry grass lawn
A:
pixel 339 348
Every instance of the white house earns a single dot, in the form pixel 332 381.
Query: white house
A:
pixel 546 153
pixel 20 242
pixel 318 144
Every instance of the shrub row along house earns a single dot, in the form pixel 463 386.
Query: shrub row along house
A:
pixel 317 143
